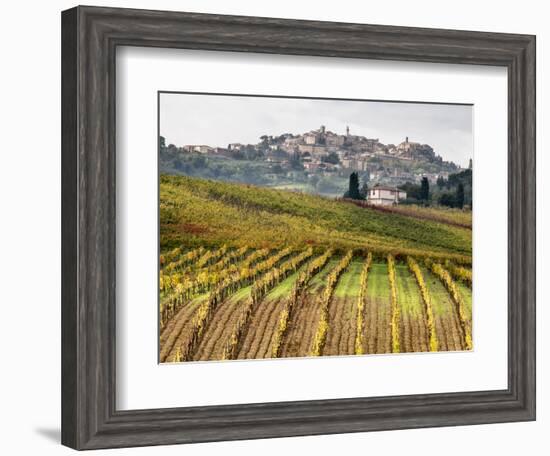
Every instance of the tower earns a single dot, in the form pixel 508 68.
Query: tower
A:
pixel 347 130
pixel 407 139
pixel 322 129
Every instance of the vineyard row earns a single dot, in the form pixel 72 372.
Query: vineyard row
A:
pixel 262 270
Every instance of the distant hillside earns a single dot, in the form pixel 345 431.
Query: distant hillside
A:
pixel 319 161
pixel 197 212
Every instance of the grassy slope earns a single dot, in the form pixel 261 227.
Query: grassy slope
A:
pixel 378 285
pixel 201 212
pixel 343 312
pixel 378 310
pixel 318 281
pixel 413 335
pixel 442 303
pixel 284 288
pixel 466 294
pixel 448 327
pixel 443 213
pixel 348 285
pixel 408 294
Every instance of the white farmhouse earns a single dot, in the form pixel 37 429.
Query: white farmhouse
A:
pixel 200 148
pixel 385 196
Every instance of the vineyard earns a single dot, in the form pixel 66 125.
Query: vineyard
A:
pixel 456 217
pixel 248 273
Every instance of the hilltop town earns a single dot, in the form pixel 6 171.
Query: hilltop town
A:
pixel 319 160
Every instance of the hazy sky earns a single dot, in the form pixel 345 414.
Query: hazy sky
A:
pixel 219 120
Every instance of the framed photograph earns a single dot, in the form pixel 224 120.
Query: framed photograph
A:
pixel 278 227
pixel 312 242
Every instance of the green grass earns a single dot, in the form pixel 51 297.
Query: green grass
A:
pixel 441 301
pixel 243 293
pixel 279 291
pixel 466 294
pixel 348 285
pixel 378 284
pixel 318 281
pixel 408 294
pixel 442 213
pixel 284 288
pixel 195 212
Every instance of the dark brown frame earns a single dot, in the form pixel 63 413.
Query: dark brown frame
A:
pixel 90 36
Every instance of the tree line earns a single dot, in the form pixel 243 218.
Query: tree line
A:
pixel 456 191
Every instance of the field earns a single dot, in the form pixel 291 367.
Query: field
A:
pixel 450 216
pixel 250 272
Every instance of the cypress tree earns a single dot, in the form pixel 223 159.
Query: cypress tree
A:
pixel 460 195
pixel 425 190
pixel 353 191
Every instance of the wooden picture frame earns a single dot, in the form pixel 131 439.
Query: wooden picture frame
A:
pixel 90 36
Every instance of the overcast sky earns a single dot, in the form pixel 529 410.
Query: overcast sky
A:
pixel 219 120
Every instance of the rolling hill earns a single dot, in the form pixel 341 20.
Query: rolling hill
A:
pixel 198 212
